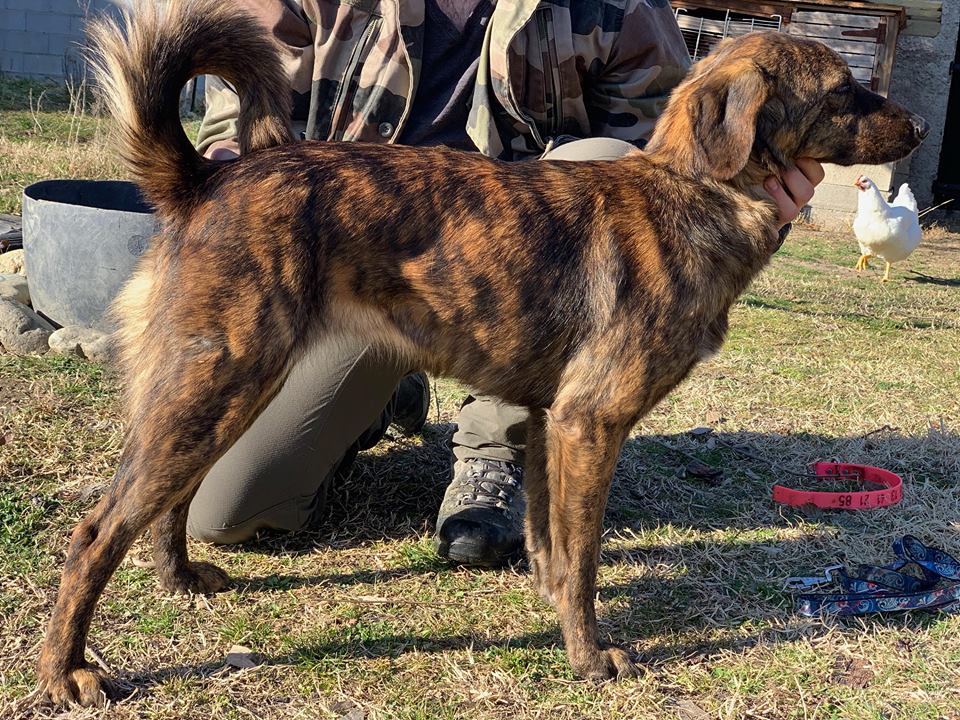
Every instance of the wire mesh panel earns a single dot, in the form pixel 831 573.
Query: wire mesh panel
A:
pixel 703 29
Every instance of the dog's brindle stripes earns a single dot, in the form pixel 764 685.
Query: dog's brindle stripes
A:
pixel 585 291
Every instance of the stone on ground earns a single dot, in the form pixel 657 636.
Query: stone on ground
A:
pixel 22 331
pixel 12 262
pixel 81 341
pixel 14 287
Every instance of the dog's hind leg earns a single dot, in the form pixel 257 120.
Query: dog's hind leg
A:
pixel 186 409
pixel 537 520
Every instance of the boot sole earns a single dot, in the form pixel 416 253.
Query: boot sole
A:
pixel 463 553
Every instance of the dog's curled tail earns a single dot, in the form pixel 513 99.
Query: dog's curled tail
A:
pixel 141 65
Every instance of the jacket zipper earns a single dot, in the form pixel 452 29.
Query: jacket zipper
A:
pixel 347 85
pixel 554 115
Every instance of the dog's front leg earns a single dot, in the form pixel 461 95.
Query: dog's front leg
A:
pixel 581 452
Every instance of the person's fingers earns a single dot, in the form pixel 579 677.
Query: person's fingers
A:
pixel 812 169
pixel 795 188
pixel 787 209
pixel 798 186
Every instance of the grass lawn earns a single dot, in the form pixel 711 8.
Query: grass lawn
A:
pixel 361 617
pixel 49 131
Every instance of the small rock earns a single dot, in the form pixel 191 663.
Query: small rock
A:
pixel 22 331
pixel 81 341
pixel 347 710
pixel 688 710
pixel 12 263
pixel 701 470
pixel 14 287
pixel 242 658
pixel 66 340
pixel 98 350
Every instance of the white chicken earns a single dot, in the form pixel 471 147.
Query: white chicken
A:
pixel 889 232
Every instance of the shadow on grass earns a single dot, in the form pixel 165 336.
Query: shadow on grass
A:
pixel 282 583
pixel 871 321
pixel 395 495
pixel 540 652
pixel 127 685
pixel 728 596
pixel 923 279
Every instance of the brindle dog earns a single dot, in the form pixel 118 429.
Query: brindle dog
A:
pixel 584 291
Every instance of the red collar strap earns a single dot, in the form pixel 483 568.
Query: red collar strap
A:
pixel 891 494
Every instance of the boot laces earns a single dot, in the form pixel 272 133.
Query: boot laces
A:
pixel 493 483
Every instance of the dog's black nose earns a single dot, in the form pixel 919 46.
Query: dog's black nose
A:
pixel 921 127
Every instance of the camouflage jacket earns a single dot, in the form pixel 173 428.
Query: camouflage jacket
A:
pixel 547 68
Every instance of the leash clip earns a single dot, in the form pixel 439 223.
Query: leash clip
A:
pixel 809 582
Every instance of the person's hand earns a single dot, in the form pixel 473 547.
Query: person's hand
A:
pixel 800 181
pixel 221 153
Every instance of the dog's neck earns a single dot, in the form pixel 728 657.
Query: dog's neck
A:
pixel 672 145
pixel 748 182
pixel 732 245
pixel 729 229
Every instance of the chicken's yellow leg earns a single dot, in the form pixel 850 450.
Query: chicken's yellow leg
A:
pixel 862 262
pixel 886 274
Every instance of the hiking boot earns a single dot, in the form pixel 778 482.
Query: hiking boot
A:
pixel 411 403
pixel 481 518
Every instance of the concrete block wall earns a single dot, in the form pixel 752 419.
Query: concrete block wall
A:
pixel 42 38
pixel 921 81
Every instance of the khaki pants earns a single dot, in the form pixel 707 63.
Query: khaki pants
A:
pixel 276 474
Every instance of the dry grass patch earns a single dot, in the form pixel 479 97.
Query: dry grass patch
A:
pixel 51 131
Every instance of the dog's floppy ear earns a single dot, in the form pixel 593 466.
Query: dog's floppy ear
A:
pixel 724 112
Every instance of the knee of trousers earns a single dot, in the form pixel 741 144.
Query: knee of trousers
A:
pixel 220 526
pixel 595 148
pixel 220 536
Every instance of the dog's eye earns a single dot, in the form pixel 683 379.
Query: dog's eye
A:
pixel 842 89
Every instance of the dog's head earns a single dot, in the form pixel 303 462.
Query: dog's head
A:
pixel 758 102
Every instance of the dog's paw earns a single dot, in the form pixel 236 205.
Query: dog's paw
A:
pixel 604 663
pixel 85 686
pixel 199 578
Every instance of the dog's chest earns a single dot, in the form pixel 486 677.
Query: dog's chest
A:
pixel 713 336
